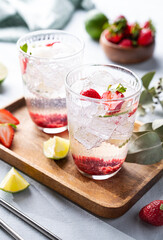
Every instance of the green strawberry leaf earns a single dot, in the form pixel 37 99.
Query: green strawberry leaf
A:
pixel 146 149
pixel 161 207
pixel 146 79
pixel 24 48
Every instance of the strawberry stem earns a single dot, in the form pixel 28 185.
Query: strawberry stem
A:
pixel 161 207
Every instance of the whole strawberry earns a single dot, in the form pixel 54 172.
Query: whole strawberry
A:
pixel 113 37
pixel 145 37
pixel 153 213
pixel 126 43
pixel 149 24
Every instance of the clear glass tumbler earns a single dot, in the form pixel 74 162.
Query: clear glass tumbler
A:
pixel 45 59
pixel 100 129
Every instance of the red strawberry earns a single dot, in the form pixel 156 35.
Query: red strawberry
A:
pixel 153 213
pixel 51 44
pixel 7 117
pixel 126 43
pixel 113 37
pixel 146 37
pixel 113 106
pixel 149 24
pixel 6 134
pixel 90 93
pixel 23 64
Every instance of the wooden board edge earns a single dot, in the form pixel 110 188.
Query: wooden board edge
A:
pixel 19 102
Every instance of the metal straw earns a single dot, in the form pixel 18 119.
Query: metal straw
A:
pixel 30 221
pixel 8 229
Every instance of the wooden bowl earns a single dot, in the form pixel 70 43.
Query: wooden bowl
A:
pixel 126 55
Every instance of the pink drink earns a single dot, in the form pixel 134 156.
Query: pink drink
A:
pixel 50 55
pixel 100 129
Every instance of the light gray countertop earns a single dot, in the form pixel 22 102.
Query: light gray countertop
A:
pixel 47 207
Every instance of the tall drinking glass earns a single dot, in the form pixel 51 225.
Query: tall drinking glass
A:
pixel 100 129
pixel 45 59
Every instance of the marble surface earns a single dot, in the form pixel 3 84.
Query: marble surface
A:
pixel 47 207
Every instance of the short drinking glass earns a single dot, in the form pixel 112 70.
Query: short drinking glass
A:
pixel 45 59
pixel 101 103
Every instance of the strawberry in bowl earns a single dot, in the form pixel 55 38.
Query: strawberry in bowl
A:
pixel 124 42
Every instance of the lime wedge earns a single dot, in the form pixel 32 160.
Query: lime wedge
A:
pixel 56 148
pixel 3 72
pixel 13 182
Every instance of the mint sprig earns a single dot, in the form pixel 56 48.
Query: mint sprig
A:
pixel 24 47
pixel 120 88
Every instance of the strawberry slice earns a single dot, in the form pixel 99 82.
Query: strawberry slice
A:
pixel 113 106
pixel 23 64
pixel 51 44
pixel 7 117
pixel 6 134
pixel 90 93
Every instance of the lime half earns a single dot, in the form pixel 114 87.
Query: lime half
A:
pixel 56 148
pixel 3 72
pixel 95 23
pixel 13 182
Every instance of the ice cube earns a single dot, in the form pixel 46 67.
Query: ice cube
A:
pixel 87 139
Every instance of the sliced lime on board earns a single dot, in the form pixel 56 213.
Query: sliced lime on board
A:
pixel 56 148
pixel 13 182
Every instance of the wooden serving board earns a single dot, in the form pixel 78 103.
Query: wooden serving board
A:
pixel 107 198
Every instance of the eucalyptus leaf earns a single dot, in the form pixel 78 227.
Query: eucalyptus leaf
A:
pixel 146 127
pixel 157 123
pixel 146 99
pixel 157 126
pixel 152 91
pixel 161 102
pixel 146 149
pixel 141 110
pixel 146 79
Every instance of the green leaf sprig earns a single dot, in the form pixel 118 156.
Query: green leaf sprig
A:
pixel 150 97
pixel 146 145
pixel 120 88
pixel 24 47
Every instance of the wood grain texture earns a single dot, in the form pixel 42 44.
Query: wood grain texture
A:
pixel 108 198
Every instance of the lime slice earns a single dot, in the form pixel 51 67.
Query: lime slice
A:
pixel 56 148
pixel 13 182
pixel 3 72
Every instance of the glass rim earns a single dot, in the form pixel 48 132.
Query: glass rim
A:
pixel 103 65
pixel 35 33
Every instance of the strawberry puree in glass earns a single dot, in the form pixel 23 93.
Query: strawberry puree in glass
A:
pixel 101 104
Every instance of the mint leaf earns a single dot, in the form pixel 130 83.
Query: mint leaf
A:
pixel 146 79
pixel 109 87
pixel 24 48
pixel 121 88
